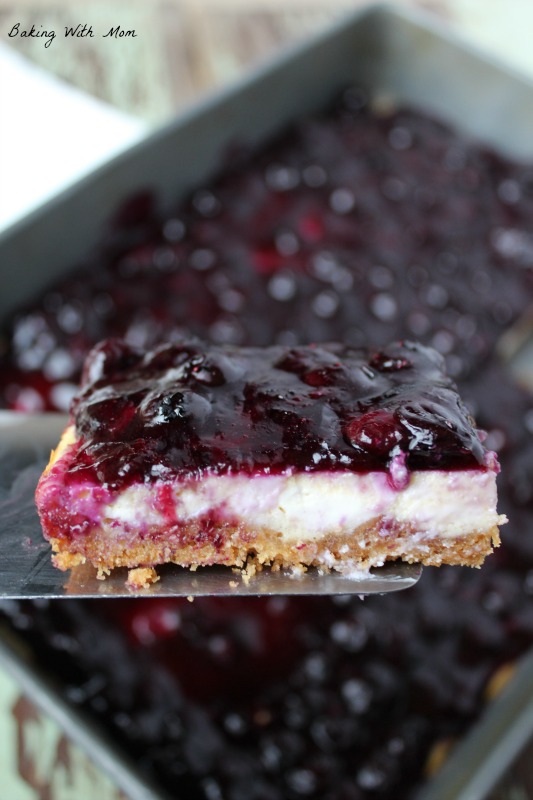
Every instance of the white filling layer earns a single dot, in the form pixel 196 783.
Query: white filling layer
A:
pixel 306 507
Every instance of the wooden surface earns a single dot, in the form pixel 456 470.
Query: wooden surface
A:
pixel 182 47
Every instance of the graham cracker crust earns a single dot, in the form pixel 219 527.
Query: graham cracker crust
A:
pixel 190 545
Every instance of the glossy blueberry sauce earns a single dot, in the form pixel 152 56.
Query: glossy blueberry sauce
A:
pixel 187 409
pixel 351 227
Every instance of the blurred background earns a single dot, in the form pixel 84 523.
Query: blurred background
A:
pixel 78 100
pixel 184 47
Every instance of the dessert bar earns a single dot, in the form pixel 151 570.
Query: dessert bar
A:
pixel 329 455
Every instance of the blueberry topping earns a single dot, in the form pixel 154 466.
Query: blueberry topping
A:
pixel 229 409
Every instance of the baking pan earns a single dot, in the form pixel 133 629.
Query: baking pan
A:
pixel 17 660
pixel 402 55
pixel 396 54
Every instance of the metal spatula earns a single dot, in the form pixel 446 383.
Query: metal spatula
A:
pixel 26 570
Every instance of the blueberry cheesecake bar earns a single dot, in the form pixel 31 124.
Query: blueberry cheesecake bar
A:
pixel 328 455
